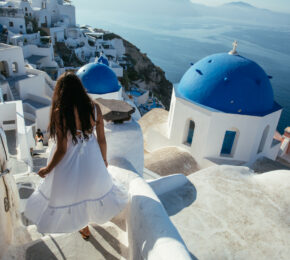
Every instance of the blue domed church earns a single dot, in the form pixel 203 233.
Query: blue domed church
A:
pixel 223 110
pixel 100 81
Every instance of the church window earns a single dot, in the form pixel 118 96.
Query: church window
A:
pixel 11 24
pixel 190 133
pixel 263 139
pixel 26 9
pixel 230 139
pixel 14 67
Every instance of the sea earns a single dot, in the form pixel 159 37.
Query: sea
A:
pixel 174 41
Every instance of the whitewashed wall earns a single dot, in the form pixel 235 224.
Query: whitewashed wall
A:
pixel 211 126
pixel 126 141
pixel 43 16
pixel 14 111
pixel 18 24
pixel 42 118
pixel 118 71
pixel 68 11
pixel 12 54
pixel 48 53
pixel 8 113
pixel 182 113
pixel 32 85
pixel 119 46
pixel 57 34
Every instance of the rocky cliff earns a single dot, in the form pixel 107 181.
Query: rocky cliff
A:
pixel 142 72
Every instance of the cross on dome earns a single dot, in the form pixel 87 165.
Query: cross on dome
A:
pixel 234 50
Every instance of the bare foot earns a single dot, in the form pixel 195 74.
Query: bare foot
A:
pixel 85 232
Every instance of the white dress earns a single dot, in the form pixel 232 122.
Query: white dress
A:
pixel 77 191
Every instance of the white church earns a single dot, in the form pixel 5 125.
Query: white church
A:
pixel 222 112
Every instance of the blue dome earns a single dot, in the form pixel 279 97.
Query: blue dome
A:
pixel 228 83
pixel 98 78
pixel 103 60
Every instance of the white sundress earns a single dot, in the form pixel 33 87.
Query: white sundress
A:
pixel 77 191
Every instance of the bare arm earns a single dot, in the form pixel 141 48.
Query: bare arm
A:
pixel 101 134
pixel 58 154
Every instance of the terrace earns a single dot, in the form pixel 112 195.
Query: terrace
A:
pixel 11 12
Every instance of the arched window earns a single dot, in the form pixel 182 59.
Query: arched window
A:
pixel 230 142
pixel 263 139
pixel 14 67
pixel 190 133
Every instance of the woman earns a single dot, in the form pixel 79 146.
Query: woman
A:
pixel 77 188
pixel 38 141
pixel 38 136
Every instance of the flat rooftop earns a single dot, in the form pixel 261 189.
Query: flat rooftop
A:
pixel 34 103
pixel 35 59
pixel 6 46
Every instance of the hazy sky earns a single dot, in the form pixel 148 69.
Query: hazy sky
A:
pixel 275 5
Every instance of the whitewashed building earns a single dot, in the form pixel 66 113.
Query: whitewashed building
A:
pixel 222 111
pixel 50 12
pixel 31 86
pixel 12 17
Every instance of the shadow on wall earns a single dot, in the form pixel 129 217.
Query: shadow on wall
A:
pixel 176 200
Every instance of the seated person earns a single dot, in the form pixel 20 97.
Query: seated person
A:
pixel 38 136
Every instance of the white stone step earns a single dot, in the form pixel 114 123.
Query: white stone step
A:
pixel 104 243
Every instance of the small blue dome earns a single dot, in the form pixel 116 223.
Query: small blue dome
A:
pixel 229 83
pixel 98 78
pixel 103 60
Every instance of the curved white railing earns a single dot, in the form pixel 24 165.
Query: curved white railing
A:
pixel 151 233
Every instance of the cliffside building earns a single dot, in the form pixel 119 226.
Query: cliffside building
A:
pixel 26 91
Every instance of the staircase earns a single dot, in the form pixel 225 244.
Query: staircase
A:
pixel 14 91
pixel 107 242
pixel 102 245
pixel 15 165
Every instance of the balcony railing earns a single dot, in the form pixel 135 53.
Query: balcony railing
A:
pixel 11 12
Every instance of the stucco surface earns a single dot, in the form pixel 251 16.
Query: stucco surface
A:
pixel 235 214
pixel 155 120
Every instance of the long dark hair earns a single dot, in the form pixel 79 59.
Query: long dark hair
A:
pixel 69 93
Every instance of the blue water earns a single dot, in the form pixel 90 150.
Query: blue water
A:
pixel 174 41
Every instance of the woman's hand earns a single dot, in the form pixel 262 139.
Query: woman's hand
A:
pixel 43 172
pixel 106 163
